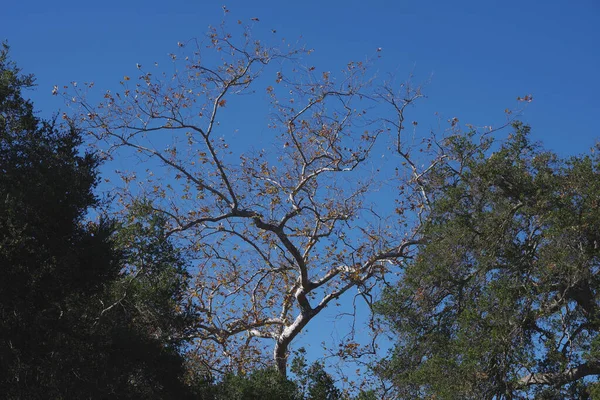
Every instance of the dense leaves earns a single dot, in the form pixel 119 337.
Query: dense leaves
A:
pixel 59 273
pixel 502 299
pixel 265 384
pixel 314 381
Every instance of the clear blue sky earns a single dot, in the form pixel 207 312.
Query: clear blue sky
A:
pixel 480 55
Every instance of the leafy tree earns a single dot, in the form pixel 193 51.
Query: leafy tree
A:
pixel 142 321
pixel 315 382
pixel 57 338
pixel 309 383
pixel 151 291
pixel 501 300
pixel 260 384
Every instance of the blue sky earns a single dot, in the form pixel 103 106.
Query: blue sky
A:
pixel 476 56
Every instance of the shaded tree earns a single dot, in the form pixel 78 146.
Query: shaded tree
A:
pixel 314 382
pixel 58 270
pixel 259 384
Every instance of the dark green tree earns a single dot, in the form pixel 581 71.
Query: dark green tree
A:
pixel 309 383
pixel 501 300
pixel 151 289
pixel 64 333
pixel 314 382
pixel 265 384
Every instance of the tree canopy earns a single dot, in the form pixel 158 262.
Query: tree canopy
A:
pixel 501 300
pixel 59 336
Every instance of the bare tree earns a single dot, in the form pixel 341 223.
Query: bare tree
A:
pixel 278 233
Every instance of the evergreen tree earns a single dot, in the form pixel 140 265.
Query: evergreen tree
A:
pixel 502 299
pixel 59 273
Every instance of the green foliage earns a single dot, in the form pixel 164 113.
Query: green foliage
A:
pixel 62 334
pixel 313 381
pixel 15 112
pixel 265 384
pixel 309 383
pixel 154 281
pixel 322 385
pixel 502 299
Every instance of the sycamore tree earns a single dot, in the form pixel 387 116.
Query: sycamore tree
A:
pixel 281 228
pixel 502 298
